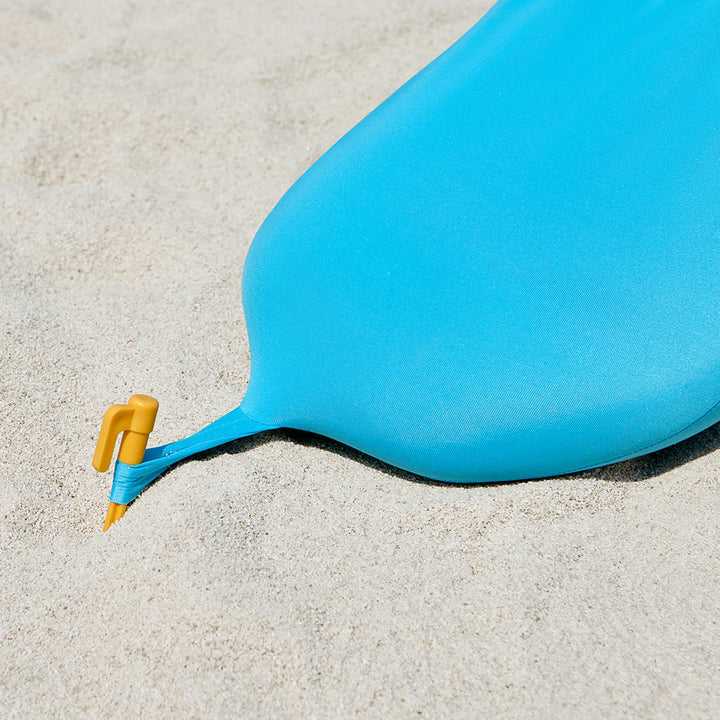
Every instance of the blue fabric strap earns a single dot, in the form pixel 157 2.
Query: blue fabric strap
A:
pixel 130 480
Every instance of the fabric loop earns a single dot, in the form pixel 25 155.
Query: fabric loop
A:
pixel 130 480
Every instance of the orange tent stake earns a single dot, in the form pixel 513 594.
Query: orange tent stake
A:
pixel 136 421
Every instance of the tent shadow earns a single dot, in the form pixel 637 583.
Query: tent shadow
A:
pixel 661 461
pixel 635 470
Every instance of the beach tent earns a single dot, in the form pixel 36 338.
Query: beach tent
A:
pixel 509 269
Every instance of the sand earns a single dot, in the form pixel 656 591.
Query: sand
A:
pixel 142 145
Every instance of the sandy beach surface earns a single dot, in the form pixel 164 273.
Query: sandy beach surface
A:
pixel 141 146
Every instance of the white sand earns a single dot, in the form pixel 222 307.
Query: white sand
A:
pixel 140 150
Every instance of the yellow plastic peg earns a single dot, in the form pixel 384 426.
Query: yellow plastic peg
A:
pixel 136 421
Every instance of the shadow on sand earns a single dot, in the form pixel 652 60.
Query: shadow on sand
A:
pixel 637 469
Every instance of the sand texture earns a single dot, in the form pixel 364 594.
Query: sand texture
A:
pixel 141 146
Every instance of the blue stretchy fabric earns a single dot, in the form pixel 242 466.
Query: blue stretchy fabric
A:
pixel 130 480
pixel 509 269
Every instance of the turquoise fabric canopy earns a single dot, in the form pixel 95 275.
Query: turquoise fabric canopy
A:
pixel 510 268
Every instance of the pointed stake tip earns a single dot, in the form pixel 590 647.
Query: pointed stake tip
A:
pixel 114 513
